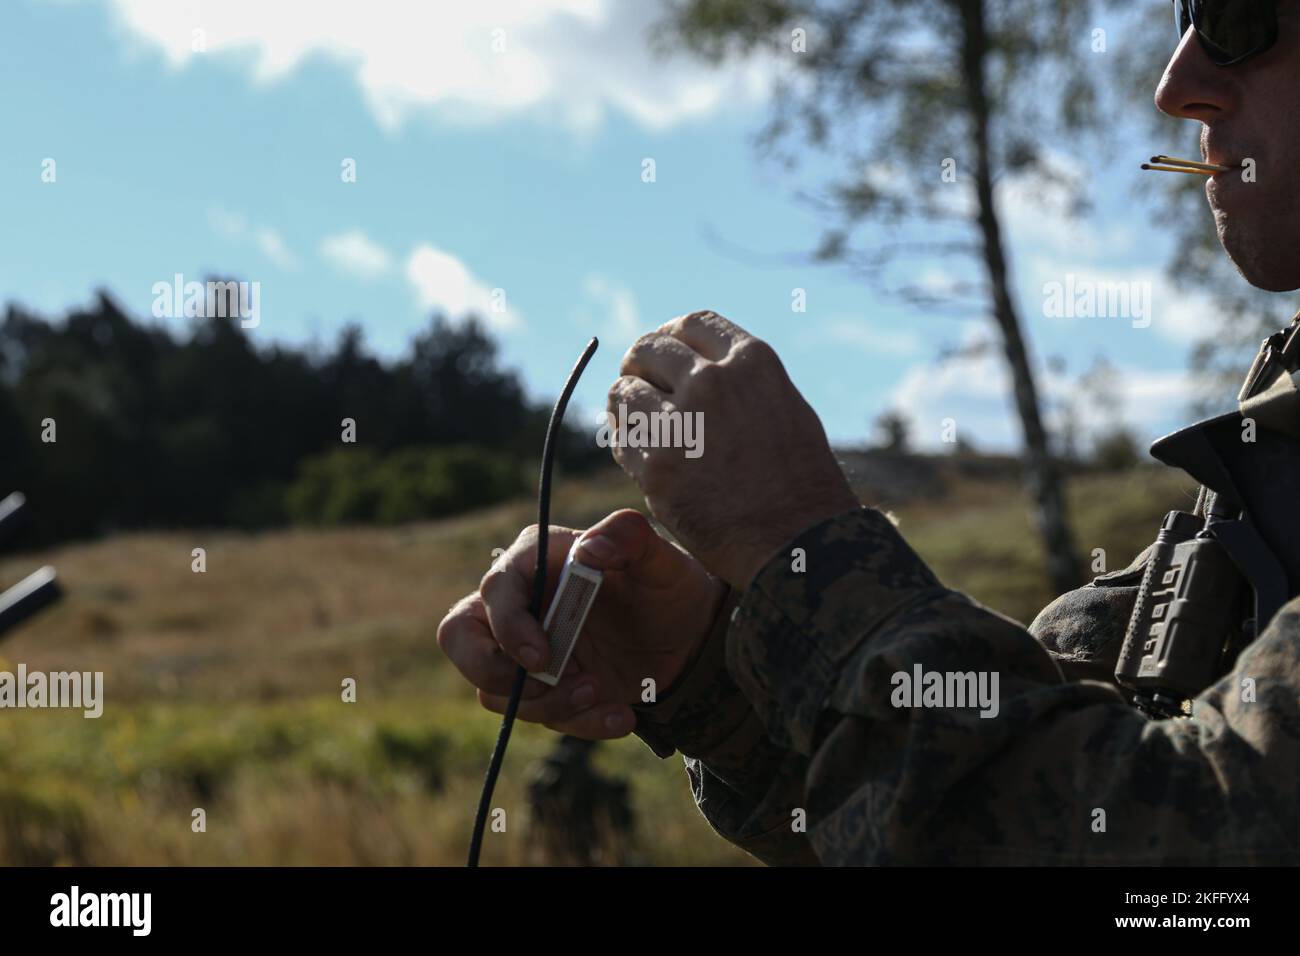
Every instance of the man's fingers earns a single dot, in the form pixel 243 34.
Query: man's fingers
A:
pixel 505 598
pixel 507 591
pixel 626 541
pixel 661 360
pixel 638 395
pixel 466 639
pixel 707 333
pixel 574 694
pixel 605 722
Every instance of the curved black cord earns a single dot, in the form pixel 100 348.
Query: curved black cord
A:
pixel 535 604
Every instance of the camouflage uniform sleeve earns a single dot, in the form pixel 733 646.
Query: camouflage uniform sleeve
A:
pixel 1064 772
pixel 743 783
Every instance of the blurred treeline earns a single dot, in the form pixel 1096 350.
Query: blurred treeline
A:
pixel 207 428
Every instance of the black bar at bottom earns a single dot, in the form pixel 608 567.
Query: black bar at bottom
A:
pixel 521 906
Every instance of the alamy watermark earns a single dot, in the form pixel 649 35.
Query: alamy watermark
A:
pixel 946 689
pixel 79 690
pixel 674 429
pixel 1080 298
pixel 75 908
pixel 212 299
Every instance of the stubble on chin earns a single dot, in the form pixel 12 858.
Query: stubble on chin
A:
pixel 1266 252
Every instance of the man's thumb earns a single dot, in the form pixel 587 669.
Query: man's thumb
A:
pixel 626 541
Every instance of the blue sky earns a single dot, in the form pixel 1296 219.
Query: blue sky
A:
pixel 515 168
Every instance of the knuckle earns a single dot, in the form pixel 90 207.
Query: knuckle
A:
pixel 455 616
pixel 524 542
pixel 755 349
pixel 644 351
pixel 674 325
pixel 644 343
pixel 625 391
pixel 707 378
pixel 756 357
pixel 443 633
pixel 493 581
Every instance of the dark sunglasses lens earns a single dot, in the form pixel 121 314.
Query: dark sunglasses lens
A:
pixel 1231 29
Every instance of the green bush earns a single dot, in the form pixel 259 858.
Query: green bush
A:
pixel 41 825
pixel 356 486
pixel 1117 451
pixel 422 751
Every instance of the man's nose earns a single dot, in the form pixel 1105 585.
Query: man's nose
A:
pixel 1193 87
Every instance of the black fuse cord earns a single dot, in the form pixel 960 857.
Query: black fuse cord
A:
pixel 534 605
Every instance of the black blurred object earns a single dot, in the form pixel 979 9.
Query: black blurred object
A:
pixel 582 817
pixel 39 589
pixel 1216 578
pixel 13 516
pixel 1213 583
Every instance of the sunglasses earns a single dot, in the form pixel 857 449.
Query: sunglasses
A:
pixel 1230 31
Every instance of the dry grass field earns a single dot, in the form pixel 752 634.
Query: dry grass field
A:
pixel 223 689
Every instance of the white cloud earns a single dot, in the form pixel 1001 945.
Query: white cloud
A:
pixel 610 307
pixel 443 282
pixel 229 224
pixel 975 393
pixel 234 225
pixel 1182 315
pixel 1176 313
pixel 859 334
pixel 357 254
pixel 1050 245
pixel 574 59
pixel 273 247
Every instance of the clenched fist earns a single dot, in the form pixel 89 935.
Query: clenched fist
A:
pixel 764 471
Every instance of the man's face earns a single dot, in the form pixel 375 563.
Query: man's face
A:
pixel 1249 111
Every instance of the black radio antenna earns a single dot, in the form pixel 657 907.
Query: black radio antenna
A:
pixel 535 604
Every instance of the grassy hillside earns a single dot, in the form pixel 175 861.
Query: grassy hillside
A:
pixel 223 689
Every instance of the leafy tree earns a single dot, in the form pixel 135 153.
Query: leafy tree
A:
pixel 902 92
pixel 158 428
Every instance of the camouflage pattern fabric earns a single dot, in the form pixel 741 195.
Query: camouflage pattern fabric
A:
pixel 796 753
